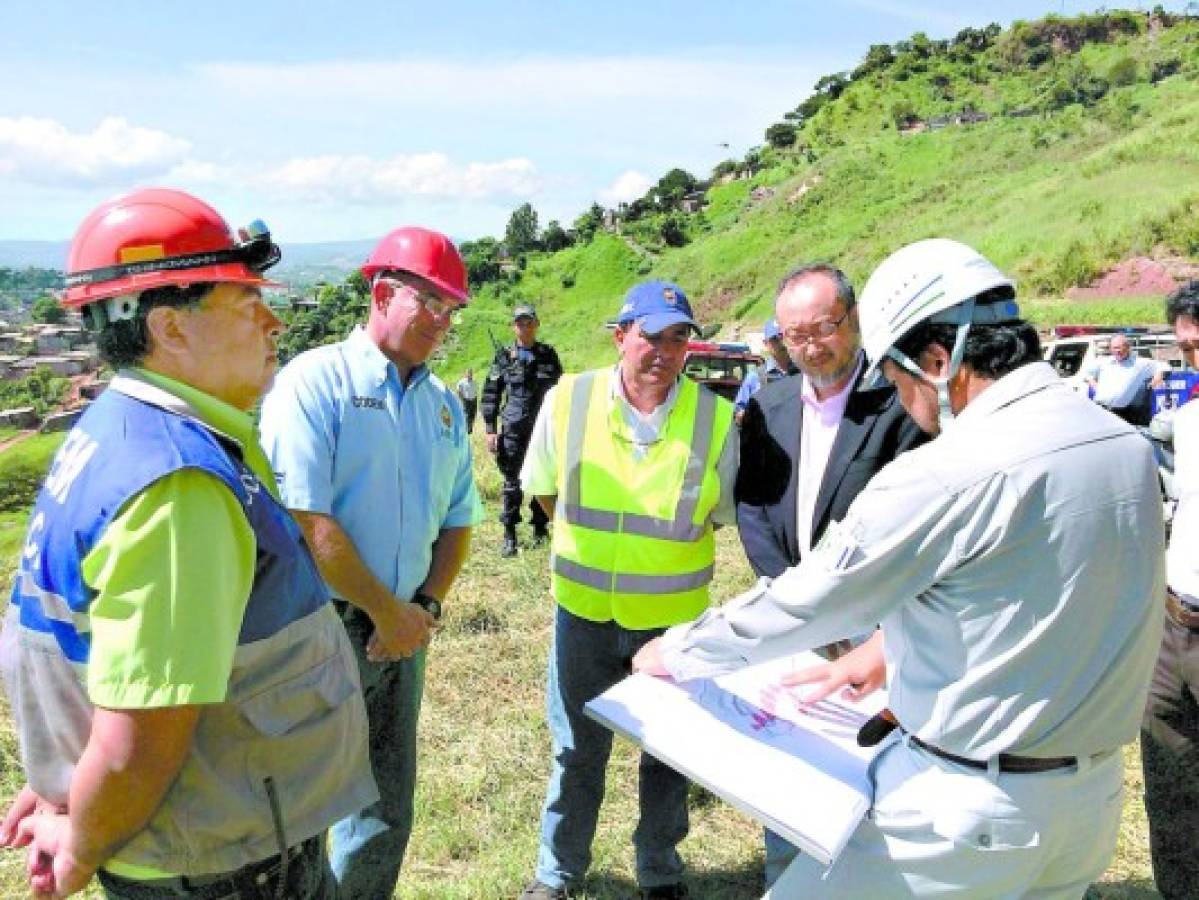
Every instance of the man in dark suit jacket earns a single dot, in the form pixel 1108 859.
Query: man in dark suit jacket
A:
pixel 811 442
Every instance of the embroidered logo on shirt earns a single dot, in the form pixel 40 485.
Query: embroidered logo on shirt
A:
pixel 368 402
pixel 446 419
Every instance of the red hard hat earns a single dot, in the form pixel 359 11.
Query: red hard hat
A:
pixel 159 237
pixel 427 254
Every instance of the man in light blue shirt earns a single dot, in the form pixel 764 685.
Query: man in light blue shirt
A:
pixel 372 455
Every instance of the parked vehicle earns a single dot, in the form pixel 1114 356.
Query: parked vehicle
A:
pixel 721 366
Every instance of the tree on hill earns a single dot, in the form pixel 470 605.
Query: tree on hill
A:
pixel 521 234
pixel 879 56
pixel 672 188
pixel 781 135
pixel 482 261
pixel 555 237
pixel 589 222
pixel 47 310
pixel 671 231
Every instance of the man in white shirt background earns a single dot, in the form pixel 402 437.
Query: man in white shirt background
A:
pixel 1121 382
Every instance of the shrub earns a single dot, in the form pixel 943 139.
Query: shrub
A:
pixel 1123 71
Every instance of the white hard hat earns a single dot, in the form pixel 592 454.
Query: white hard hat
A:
pixel 927 279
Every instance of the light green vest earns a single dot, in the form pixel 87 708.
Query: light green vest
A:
pixel 632 537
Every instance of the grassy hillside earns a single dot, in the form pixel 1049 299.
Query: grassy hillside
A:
pixel 1056 185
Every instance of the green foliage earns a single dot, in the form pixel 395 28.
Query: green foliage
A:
pixel 1123 72
pixel 589 222
pixel 672 232
pixel 781 135
pixel 47 310
pixel 555 237
pixel 29 280
pixel 41 389
pixel 521 234
pixel 22 470
pixel 670 190
pixel 339 308
pixel 724 167
pixel 903 113
pixel 482 261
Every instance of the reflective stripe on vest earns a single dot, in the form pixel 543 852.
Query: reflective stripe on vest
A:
pixel 631 584
pixel 634 542
pixel 681 527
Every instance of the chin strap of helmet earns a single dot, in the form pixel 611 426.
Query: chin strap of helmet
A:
pixel 962 316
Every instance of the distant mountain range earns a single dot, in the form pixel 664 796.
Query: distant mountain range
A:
pixel 301 262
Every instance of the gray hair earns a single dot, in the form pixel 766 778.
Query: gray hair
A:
pixel 845 292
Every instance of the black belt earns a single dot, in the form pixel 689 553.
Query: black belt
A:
pixel 1009 763
pixel 248 879
pixel 885 722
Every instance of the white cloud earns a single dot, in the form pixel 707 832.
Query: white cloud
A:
pixel 627 187
pixel 362 179
pixel 45 151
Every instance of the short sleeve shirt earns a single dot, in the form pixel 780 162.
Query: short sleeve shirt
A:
pixel 391 462
pixel 169 607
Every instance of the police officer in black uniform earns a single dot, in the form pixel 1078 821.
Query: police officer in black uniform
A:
pixel 520 375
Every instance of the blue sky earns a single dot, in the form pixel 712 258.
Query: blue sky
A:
pixel 337 121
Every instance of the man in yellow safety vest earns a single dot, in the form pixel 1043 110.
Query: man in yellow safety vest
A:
pixel 636 464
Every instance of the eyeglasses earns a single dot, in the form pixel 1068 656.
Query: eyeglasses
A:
pixel 1188 346
pixel 822 330
pixel 435 305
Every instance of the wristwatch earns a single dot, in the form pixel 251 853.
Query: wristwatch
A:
pixel 428 603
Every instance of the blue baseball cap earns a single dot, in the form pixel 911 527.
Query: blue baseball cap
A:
pixel 771 330
pixel 656 305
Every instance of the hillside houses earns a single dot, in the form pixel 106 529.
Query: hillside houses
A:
pixel 65 350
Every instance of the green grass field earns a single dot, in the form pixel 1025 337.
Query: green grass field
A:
pixel 484 754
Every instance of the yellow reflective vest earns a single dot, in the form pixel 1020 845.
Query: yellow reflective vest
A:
pixel 633 537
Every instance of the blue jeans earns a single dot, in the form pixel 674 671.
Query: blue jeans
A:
pixel 586 659
pixel 367 849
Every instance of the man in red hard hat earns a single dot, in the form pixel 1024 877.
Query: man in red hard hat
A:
pixel 186 700
pixel 373 457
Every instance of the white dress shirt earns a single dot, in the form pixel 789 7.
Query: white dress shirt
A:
pixel 821 421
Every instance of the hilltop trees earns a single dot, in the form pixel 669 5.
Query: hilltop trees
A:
pixel 521 233
pixel 555 237
pixel 587 224
pixel 781 135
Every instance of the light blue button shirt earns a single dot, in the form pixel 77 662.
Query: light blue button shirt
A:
pixel 390 462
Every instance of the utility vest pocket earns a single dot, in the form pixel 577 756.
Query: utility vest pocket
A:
pixel 299 701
